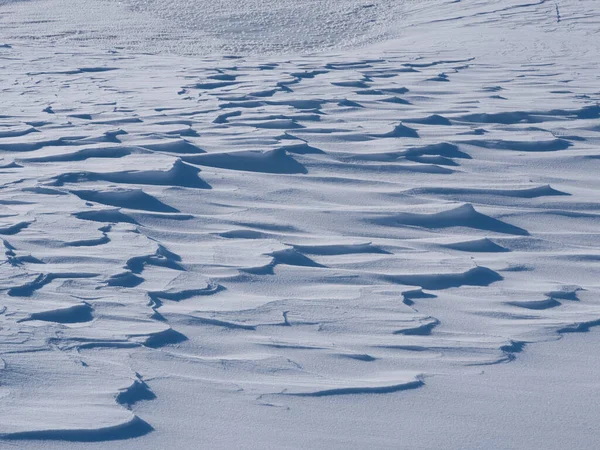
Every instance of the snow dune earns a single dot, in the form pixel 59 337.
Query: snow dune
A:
pixel 363 208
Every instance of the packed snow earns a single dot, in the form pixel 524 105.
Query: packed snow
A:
pixel 299 224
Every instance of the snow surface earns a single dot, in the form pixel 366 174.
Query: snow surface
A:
pixel 308 224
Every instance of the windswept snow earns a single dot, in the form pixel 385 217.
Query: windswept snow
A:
pixel 342 232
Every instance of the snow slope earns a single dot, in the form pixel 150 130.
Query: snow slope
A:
pixel 334 236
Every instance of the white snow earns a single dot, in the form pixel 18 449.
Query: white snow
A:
pixel 309 224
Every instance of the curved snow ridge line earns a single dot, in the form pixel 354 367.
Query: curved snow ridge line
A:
pixel 197 320
pixel 162 257
pixel 176 296
pixel 27 289
pixel 176 146
pixel 133 428
pixel 106 215
pixel 135 199
pixel 531 192
pixel 445 152
pixel 153 339
pixel 136 392
pixel 484 245
pixel 272 161
pixel 157 298
pixel 84 154
pixel 361 389
pixel 18 132
pixel 399 131
pixel 104 239
pixel 339 249
pixel 423 329
pixel 65 141
pixel 180 174
pixel 478 276
pixel 552 145
pixel 77 71
pixel 536 304
pixel 580 327
pixel 465 352
pixel 78 313
pixel 462 216
pixel 289 257
pixel 9 230
pixel 516 117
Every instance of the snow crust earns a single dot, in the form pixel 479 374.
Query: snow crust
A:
pixel 299 224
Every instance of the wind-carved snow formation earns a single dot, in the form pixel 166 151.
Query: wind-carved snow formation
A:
pixel 284 229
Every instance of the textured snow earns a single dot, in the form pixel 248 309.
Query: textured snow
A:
pixel 332 224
